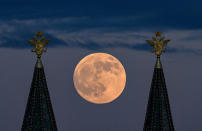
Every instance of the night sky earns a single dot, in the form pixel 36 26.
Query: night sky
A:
pixel 77 28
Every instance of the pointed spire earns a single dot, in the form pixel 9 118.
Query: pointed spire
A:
pixel 158 115
pixel 158 62
pixel 39 114
pixel 39 63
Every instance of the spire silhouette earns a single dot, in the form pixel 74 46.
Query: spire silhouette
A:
pixel 39 114
pixel 158 115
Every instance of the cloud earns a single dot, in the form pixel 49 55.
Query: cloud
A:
pixel 181 40
pixel 77 32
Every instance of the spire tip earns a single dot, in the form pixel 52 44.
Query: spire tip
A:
pixel 38 42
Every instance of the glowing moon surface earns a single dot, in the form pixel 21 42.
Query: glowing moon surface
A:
pixel 99 78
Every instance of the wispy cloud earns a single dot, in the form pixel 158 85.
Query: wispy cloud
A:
pixel 76 32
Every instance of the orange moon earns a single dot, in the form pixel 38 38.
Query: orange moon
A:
pixel 99 78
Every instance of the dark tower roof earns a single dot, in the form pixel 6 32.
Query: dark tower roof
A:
pixel 158 115
pixel 39 114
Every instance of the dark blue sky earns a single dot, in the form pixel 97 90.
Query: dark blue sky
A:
pixel 77 28
pixel 25 17
pixel 175 14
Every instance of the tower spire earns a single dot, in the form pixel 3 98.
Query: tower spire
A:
pixel 39 114
pixel 158 115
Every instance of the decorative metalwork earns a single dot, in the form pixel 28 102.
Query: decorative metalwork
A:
pixel 39 115
pixel 158 43
pixel 158 115
pixel 39 42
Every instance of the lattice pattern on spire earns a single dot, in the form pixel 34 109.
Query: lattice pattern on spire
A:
pixel 158 115
pixel 39 114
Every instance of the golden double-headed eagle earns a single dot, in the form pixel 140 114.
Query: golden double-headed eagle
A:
pixel 39 42
pixel 158 43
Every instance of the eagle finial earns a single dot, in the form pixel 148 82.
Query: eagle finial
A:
pixel 158 43
pixel 39 42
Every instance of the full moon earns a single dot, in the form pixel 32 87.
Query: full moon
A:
pixel 99 78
